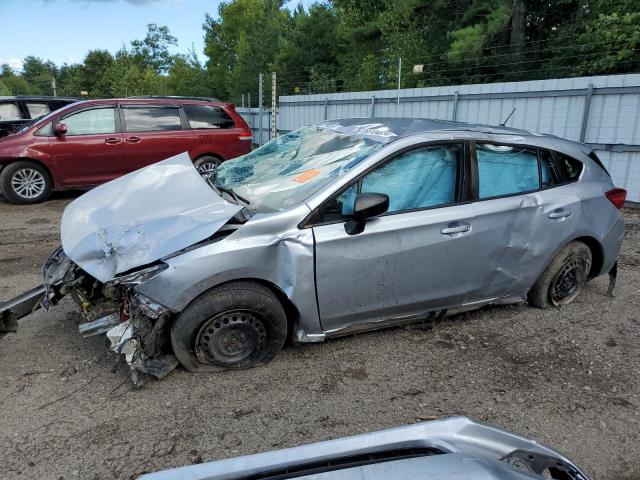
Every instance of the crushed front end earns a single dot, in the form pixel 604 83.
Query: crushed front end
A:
pixel 137 329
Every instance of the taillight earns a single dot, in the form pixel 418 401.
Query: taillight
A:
pixel 248 135
pixel 617 196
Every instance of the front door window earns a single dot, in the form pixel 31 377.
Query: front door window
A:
pixel 96 121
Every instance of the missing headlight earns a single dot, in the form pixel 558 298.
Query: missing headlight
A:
pixel 543 465
pixel 139 276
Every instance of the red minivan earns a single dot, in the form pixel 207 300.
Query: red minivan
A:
pixel 94 141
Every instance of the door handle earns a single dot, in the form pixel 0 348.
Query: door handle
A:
pixel 134 140
pixel 456 227
pixel 113 141
pixel 560 213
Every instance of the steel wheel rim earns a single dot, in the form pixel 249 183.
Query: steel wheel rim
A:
pixel 28 183
pixel 231 337
pixel 569 280
pixel 207 168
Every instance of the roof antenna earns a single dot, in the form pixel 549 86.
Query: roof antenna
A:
pixel 503 124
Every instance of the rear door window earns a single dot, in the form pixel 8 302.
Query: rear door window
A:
pixel 207 116
pixel 91 122
pixel 9 111
pixel 150 118
pixel 37 109
pixel 506 170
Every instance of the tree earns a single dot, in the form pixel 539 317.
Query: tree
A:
pixel 39 75
pixel 153 50
pixel 4 90
pixel 71 80
pixel 16 84
pixel 188 77
pixel 243 43
pixel 307 50
pixel 94 73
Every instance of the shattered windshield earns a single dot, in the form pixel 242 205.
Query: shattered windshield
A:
pixel 289 169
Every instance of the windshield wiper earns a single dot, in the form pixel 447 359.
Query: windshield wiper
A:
pixel 228 191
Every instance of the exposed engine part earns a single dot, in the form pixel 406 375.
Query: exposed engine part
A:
pixel 124 342
pixel 101 325
pixel 137 328
pixel 161 366
pixel 141 344
pixel 146 306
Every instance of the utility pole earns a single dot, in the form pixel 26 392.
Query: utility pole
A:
pixel 242 102
pixel 399 79
pixel 260 82
pixel 274 129
pixel 55 88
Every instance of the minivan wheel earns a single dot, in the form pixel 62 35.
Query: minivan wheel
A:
pixel 207 165
pixel 563 279
pixel 25 182
pixel 235 326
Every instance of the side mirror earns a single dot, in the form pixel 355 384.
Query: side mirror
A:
pixel 367 205
pixel 59 129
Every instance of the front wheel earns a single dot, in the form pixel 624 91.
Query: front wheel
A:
pixel 563 279
pixel 236 326
pixel 25 182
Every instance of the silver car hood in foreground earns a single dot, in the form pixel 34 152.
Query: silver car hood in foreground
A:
pixel 142 217
pixel 469 450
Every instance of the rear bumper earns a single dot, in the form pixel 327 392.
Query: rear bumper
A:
pixel 611 244
pixel 20 306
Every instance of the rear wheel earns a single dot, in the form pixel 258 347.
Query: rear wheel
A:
pixel 236 326
pixel 207 165
pixel 25 182
pixel 563 279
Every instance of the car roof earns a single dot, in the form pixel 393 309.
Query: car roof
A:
pixel 166 100
pixel 174 97
pixel 389 129
pixel 38 97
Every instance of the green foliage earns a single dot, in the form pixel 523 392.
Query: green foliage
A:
pixel 16 84
pixel 347 45
pixel 94 67
pixel 153 51
pixel 4 90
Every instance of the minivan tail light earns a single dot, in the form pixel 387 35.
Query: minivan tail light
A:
pixel 248 135
pixel 617 196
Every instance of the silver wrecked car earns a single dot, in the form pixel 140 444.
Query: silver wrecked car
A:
pixel 455 448
pixel 338 227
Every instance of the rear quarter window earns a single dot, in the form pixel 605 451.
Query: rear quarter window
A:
pixel 207 117
pixel 569 166
pixel 9 111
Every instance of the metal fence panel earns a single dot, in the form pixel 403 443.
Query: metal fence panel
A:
pixel 604 111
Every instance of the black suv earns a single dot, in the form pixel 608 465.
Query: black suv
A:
pixel 15 112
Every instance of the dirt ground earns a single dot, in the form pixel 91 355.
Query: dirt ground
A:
pixel 569 378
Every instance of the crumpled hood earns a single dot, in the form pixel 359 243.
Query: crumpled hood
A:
pixel 142 217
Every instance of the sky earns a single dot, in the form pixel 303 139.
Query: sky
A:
pixel 65 30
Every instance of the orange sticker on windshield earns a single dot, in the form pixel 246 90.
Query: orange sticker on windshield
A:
pixel 306 176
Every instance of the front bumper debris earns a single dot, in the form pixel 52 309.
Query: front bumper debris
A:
pixel 20 306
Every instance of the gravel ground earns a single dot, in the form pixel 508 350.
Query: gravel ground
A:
pixel 568 377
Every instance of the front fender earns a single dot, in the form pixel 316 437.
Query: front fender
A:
pixel 285 261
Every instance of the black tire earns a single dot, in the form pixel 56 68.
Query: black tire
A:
pixel 232 327
pixel 25 182
pixel 563 278
pixel 207 164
